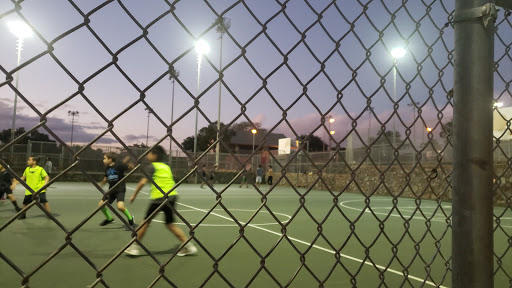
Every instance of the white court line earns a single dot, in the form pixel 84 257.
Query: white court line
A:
pixel 342 204
pixel 231 225
pixel 387 269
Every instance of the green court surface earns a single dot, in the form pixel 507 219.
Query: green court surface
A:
pixel 377 245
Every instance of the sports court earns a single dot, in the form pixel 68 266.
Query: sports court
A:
pixel 328 242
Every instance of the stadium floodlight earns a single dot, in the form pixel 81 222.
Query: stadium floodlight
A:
pixel 202 48
pixel 21 30
pixel 397 53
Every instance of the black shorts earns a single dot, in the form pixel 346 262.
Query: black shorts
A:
pixel 41 197
pixel 116 195
pixel 169 215
pixel 5 191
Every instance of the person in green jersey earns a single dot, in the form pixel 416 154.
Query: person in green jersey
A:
pixel 161 175
pixel 36 178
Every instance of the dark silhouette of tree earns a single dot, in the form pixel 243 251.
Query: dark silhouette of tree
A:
pixel 247 126
pixel 316 144
pixel 446 130
pixel 5 136
pixel 206 136
pixel 387 138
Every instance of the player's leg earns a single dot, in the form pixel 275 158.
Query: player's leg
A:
pixel 105 211
pixel 134 248
pixel 27 200
pixel 44 201
pixel 189 248
pixel 122 208
pixel 13 201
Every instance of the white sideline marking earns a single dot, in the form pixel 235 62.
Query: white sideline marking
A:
pixel 434 219
pixel 324 249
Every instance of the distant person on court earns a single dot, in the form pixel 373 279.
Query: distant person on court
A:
pixel 114 172
pixel 162 176
pixel 244 178
pixel 7 185
pixel 204 174
pixel 259 175
pixel 212 174
pixel 48 166
pixel 270 174
pixel 36 178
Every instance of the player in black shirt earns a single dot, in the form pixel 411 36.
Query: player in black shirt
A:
pixel 7 185
pixel 114 172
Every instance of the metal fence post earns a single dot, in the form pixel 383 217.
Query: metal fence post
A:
pixel 472 233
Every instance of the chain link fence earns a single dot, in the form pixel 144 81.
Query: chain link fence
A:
pixel 320 58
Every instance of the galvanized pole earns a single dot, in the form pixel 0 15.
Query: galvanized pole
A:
pixel 217 149
pixel 472 223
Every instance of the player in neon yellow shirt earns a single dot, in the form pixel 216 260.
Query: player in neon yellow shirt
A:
pixel 36 178
pixel 162 176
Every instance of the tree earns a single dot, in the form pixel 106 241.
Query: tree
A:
pixel 386 138
pixel 316 144
pixel 446 130
pixel 5 136
pixel 247 126
pixel 206 136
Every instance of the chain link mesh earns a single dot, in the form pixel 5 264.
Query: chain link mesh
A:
pixel 345 56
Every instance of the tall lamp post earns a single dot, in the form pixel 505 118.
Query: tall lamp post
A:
pixel 397 53
pixel 331 120
pixel 223 24
pixel 21 30
pixel 254 131
pixel 201 48
pixel 147 129
pixel 174 75
pixel 370 109
pixel 413 105
pixel 73 114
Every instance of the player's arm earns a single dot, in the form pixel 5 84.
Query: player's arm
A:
pixel 102 182
pixel 141 184
pixel 129 164
pixel 13 184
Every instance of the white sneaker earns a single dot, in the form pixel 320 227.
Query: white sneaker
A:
pixel 133 250
pixel 187 250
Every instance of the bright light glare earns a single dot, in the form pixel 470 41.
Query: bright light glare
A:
pixel 20 29
pixel 202 47
pixel 429 129
pixel 498 104
pixel 254 131
pixel 332 132
pixel 331 120
pixel 398 52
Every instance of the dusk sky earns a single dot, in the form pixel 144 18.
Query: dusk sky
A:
pixel 361 68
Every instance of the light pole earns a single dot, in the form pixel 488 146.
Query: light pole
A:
pixel 201 48
pixel 254 131
pixel 21 30
pixel 396 53
pixel 428 129
pixel 413 105
pixel 147 129
pixel 72 114
pixel 370 109
pixel 223 25
pixel 174 74
pixel 331 120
